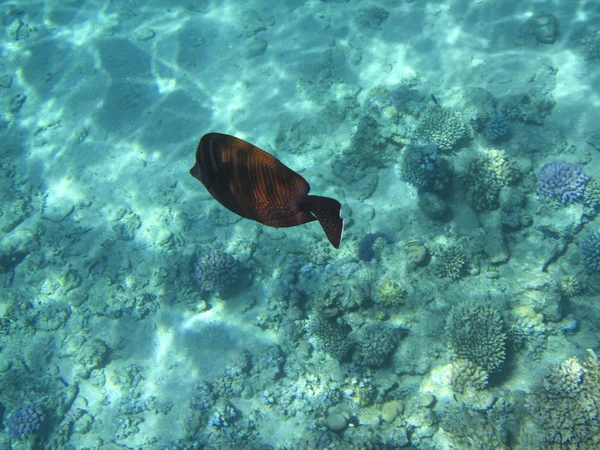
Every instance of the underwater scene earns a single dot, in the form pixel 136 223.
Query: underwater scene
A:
pixel 289 225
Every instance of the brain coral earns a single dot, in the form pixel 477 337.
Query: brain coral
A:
pixel 215 271
pixel 562 181
pixel 476 333
pixel 442 126
pixel 566 404
pixel 590 251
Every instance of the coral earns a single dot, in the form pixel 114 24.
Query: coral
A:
pixel 441 126
pixel 216 271
pixel 366 250
pixel 485 177
pixel 570 286
pixel 562 181
pixel 389 293
pixel 422 167
pixel 467 375
pixel 26 421
pixel 497 127
pixel 331 336
pixel 449 262
pixel 591 197
pixel 476 333
pixel 376 345
pixel 565 405
pixel 590 251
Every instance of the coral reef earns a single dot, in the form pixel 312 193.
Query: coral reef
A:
pixel 485 176
pixel 497 126
pixel 216 271
pixel 449 261
pixel 566 404
pixel 376 345
pixel 422 167
pixel 562 181
pixel 590 251
pixel 476 333
pixel 441 126
pixel 26 421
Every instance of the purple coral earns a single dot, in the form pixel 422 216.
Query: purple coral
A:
pixel 25 421
pixel 216 271
pixel 562 181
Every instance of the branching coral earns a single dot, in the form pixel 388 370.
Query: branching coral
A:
pixel 476 333
pixel 562 181
pixel 449 261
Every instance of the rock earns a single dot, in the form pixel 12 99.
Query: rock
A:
pixel 546 28
pixel 16 102
pixel 145 34
pixel 495 247
pixel 57 209
pixel 255 47
pixel 426 400
pixel 391 410
pixel 5 81
pixel 337 421
pixel 432 205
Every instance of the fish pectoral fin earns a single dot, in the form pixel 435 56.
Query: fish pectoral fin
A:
pixel 327 211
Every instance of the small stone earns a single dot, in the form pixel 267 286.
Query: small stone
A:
pixel 145 34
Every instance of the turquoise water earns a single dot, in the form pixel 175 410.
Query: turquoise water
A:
pixel 461 310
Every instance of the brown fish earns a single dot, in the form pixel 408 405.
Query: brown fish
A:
pixel 256 185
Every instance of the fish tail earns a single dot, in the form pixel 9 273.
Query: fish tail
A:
pixel 327 211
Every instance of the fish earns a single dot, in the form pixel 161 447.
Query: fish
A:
pixel 257 186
